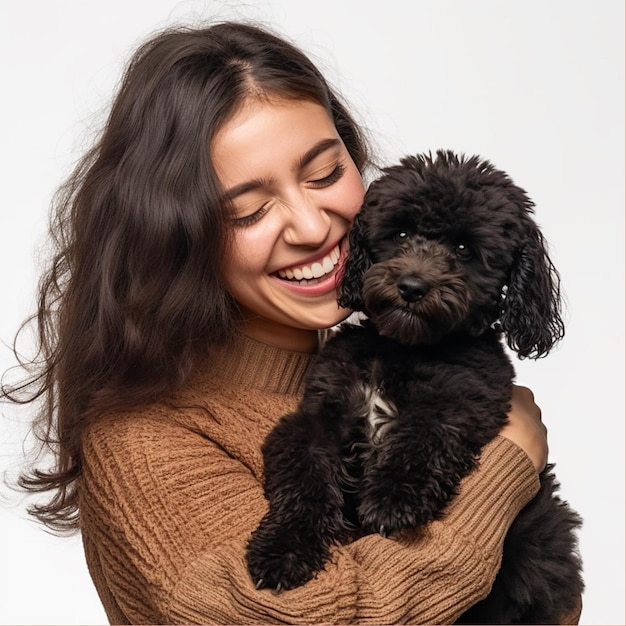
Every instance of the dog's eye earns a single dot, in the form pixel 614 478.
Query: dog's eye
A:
pixel 401 236
pixel 463 251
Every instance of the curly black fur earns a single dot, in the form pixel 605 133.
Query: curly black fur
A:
pixel 446 261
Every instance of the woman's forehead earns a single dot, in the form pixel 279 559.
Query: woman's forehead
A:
pixel 269 134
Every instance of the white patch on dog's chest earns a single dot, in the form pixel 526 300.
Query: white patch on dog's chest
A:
pixel 379 413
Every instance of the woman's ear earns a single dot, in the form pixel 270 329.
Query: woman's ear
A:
pixel 531 315
pixel 357 263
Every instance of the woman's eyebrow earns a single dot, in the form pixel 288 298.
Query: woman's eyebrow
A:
pixel 305 159
pixel 316 150
pixel 239 190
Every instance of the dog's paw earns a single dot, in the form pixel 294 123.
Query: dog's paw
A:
pixel 386 511
pixel 279 572
pixel 277 561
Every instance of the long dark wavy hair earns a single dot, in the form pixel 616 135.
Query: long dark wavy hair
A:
pixel 133 296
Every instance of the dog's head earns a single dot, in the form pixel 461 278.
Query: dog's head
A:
pixel 449 243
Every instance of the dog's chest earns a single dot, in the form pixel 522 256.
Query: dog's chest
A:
pixel 377 409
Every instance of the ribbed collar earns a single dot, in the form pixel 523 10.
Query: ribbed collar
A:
pixel 250 363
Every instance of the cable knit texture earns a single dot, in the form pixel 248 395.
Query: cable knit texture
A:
pixel 171 492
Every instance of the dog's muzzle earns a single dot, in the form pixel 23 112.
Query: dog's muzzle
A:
pixel 412 288
pixel 417 296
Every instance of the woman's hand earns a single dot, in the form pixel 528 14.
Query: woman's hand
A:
pixel 525 427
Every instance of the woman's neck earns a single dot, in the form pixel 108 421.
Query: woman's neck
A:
pixel 281 336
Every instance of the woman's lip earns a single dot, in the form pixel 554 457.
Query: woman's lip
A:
pixel 319 286
pixel 318 269
pixel 313 259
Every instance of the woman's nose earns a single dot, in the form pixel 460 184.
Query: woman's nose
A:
pixel 307 224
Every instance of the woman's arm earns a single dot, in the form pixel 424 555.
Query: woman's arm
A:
pixel 169 513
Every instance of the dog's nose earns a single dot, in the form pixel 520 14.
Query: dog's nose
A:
pixel 412 288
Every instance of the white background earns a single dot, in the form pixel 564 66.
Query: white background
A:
pixel 536 86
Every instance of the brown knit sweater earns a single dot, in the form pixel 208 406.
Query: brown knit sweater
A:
pixel 170 493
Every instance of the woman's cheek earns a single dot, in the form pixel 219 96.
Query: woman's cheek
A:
pixel 251 248
pixel 355 193
pixel 238 262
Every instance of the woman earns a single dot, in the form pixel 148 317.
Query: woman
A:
pixel 198 248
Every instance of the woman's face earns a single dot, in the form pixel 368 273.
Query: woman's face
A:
pixel 294 190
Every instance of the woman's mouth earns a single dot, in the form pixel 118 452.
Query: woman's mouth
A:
pixel 312 273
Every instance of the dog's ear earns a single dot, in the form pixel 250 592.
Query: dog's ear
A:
pixel 531 315
pixel 357 263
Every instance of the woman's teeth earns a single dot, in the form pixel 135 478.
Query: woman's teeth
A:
pixel 314 270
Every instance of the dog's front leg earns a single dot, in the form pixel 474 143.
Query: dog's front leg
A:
pixel 410 476
pixel 305 515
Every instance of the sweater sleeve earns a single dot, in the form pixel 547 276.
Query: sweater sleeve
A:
pixel 169 517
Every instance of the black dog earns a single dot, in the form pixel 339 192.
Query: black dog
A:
pixel 446 262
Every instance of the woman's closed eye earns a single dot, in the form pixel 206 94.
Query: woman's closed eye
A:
pixel 335 175
pixel 251 218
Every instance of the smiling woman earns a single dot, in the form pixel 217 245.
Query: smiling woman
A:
pixel 294 190
pixel 199 244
